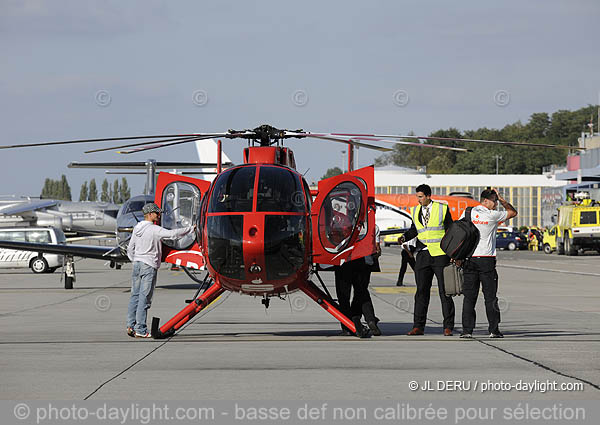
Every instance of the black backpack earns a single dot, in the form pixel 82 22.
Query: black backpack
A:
pixel 461 238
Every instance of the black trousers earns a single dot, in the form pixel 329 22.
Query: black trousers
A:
pixel 354 275
pixel 406 260
pixel 427 267
pixel 480 270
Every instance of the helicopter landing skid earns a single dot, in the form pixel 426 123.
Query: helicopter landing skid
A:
pixel 189 311
pixel 318 296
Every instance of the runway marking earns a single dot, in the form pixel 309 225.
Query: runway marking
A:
pixel 548 270
pixel 300 339
pixel 481 341
pixel 399 289
pixel 324 339
pixel 199 315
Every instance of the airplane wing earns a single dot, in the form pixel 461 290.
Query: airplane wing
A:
pixel 24 207
pixel 85 251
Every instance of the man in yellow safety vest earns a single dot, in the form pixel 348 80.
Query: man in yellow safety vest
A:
pixel 430 222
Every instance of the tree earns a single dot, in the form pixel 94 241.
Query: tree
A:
pixel 93 193
pixel 105 194
pixel 65 189
pixel 335 171
pixel 562 127
pixel 125 192
pixel 46 189
pixel 83 192
pixel 116 193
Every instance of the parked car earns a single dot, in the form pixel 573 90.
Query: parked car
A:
pixel 45 263
pixel 391 239
pixel 550 240
pixel 511 241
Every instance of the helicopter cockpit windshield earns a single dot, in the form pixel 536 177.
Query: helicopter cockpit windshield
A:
pixel 180 204
pixel 280 191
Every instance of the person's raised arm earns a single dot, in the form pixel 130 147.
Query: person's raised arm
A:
pixel 511 212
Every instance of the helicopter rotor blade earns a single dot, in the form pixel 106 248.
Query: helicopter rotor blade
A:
pixel 453 139
pixel 187 139
pixel 158 146
pixel 174 142
pixel 354 141
pixel 419 144
pixel 109 139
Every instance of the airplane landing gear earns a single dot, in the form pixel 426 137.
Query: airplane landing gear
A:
pixel 69 271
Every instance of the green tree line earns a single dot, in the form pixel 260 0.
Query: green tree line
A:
pixel 562 127
pixel 56 189
pixel 60 189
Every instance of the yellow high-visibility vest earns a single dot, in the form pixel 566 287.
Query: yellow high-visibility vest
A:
pixel 431 235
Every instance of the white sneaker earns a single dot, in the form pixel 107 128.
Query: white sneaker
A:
pixel 466 336
pixel 146 335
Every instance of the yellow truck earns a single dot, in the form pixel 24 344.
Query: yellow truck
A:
pixel 578 228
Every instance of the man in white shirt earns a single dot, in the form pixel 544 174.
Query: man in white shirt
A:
pixel 481 267
pixel 145 252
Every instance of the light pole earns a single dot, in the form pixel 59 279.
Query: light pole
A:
pixel 497 158
pixel 343 158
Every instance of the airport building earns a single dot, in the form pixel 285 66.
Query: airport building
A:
pixel 582 173
pixel 535 197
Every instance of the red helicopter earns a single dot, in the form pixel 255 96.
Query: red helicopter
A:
pixel 261 230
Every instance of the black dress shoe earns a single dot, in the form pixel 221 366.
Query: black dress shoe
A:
pixel 374 328
pixel 399 284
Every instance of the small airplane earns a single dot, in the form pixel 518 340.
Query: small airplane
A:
pixel 83 218
pixel 261 231
pixel 125 217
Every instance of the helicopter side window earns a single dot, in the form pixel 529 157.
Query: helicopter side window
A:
pixel 279 190
pixel 233 191
pixel 180 203
pixel 339 216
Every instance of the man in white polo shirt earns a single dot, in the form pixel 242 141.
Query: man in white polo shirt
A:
pixel 481 267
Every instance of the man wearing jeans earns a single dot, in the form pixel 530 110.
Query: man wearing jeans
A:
pixel 145 252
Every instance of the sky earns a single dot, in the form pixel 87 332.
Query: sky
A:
pixel 85 69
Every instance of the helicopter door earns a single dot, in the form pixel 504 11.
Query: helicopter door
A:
pixel 179 197
pixel 343 218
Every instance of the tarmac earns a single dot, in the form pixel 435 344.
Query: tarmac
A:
pixel 62 344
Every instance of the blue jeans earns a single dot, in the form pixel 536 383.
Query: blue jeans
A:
pixel 143 281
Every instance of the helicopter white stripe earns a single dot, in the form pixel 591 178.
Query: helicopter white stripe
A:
pixel 344 251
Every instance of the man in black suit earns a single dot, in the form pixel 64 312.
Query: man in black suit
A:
pixel 431 219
